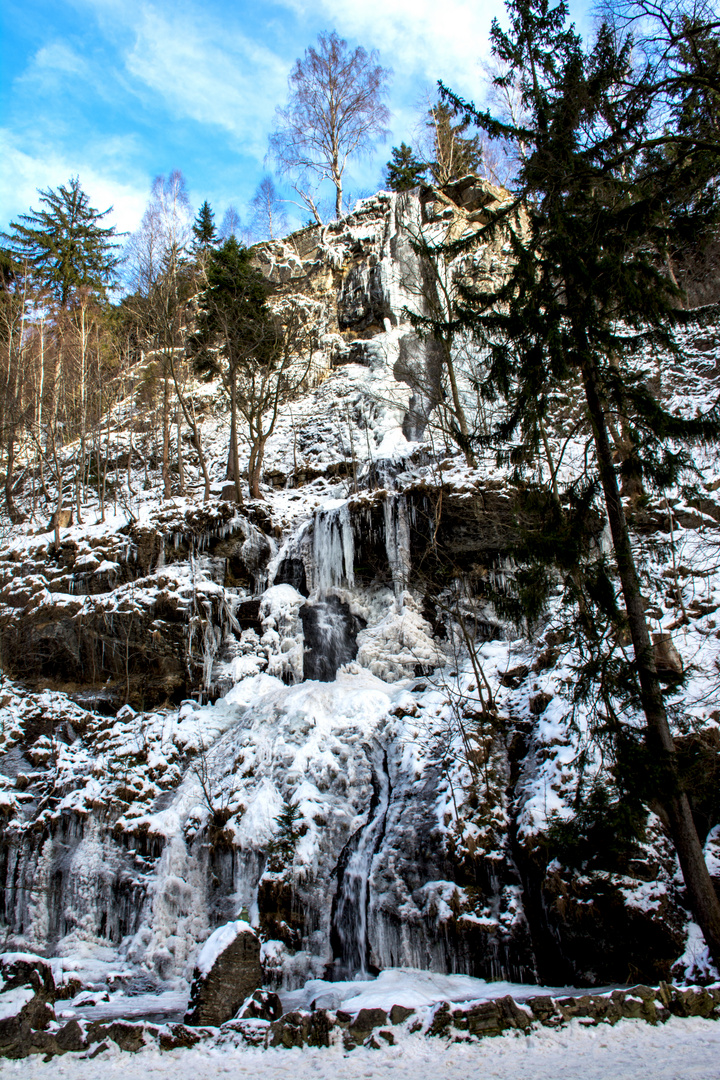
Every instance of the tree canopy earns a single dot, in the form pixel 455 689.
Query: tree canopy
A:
pixel 336 108
pixel 204 231
pixel 455 152
pixel 64 243
pixel 620 163
pixel 404 171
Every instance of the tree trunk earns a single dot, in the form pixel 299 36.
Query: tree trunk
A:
pixel 78 490
pixel 39 420
pixel 59 500
pixel 193 425
pixel 9 476
pixel 457 407
pixel 337 180
pixel 181 469
pixel 233 437
pixel 255 468
pixel 167 487
pixel 703 899
pixel 131 450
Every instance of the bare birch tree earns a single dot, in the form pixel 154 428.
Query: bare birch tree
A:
pixel 335 108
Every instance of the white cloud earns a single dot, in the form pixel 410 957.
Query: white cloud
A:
pixel 24 173
pixel 58 56
pixel 417 37
pixel 209 72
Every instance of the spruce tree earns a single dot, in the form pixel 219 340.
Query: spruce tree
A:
pixel 620 164
pixel 281 850
pixel 64 243
pixel 404 171
pixel 204 230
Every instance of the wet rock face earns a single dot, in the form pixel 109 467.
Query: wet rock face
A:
pixel 292 572
pixel 362 303
pixel 104 616
pixel 216 995
pixel 419 364
pixel 330 633
pixel 594 936
pixel 364 273
pixel 262 1005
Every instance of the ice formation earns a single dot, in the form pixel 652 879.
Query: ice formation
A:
pixel 312 659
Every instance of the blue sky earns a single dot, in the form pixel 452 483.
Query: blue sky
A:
pixel 117 91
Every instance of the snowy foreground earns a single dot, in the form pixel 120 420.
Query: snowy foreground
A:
pixel 687 1049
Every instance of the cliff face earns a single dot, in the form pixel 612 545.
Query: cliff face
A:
pixel 184 674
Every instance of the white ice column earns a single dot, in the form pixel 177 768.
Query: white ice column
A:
pixel 397 544
pixel 333 549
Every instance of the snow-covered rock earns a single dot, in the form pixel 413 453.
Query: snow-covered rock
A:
pixel 227 971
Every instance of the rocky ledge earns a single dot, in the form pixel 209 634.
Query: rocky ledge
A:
pixel 28 1024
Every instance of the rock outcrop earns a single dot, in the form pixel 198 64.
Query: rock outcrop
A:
pixel 228 971
pixel 343 651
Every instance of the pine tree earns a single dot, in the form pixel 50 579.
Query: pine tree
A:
pixel 64 243
pixel 610 182
pixel 404 171
pixel 456 152
pixel 234 313
pixel 204 230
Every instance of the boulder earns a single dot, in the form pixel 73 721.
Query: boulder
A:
pixel 545 1010
pixel 590 1007
pixel 491 1017
pixel 27 993
pixel 365 1023
pixel 399 1014
pixel 180 1037
pixel 71 1038
pixel 302 1028
pixel 667 659
pixel 227 972
pixel 63 518
pixel 261 1005
pixel 29 970
pixel 291 1030
pixel 692 1001
pixel 128 1035
pixel 440 1019
pixel 252 1031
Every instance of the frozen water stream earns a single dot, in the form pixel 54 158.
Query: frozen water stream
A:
pixel 349 934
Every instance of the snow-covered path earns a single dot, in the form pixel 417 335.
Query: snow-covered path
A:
pixel 679 1050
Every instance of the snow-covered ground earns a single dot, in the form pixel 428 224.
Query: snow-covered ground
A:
pixel 679 1050
pixel 411 989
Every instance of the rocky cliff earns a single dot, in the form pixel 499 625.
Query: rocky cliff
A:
pixel 310 710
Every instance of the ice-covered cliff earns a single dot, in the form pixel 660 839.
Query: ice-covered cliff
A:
pixel 307 710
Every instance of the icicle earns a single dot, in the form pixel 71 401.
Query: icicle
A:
pixel 350 911
pixel 211 642
pixel 333 549
pixel 397 544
